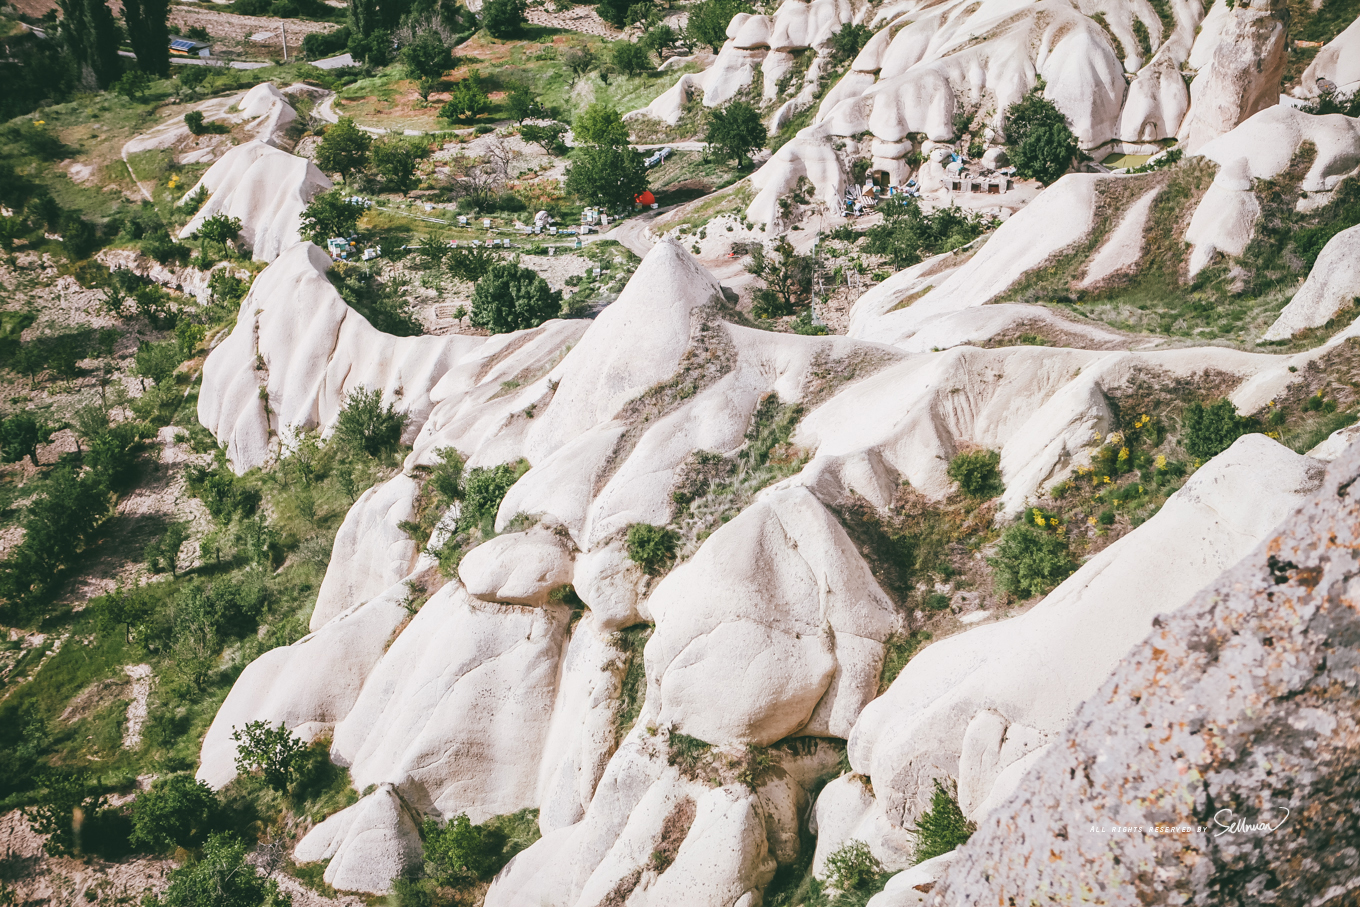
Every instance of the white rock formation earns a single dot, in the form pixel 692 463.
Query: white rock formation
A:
pixel 1226 217
pixel 969 706
pixel 522 568
pixel 1242 78
pixel 266 189
pixel 368 844
pixel 1332 284
pixel 911 887
pixel 1122 250
pixel 1338 62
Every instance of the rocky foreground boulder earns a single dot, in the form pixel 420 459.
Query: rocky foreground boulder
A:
pixel 1217 765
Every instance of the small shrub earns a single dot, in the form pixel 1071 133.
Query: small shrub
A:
pixel 366 426
pixel 651 547
pixel 1207 431
pixel 978 473
pixel 943 827
pixel 178 811
pixel 272 751
pixel 512 298
pixel 1029 562
pixel 853 867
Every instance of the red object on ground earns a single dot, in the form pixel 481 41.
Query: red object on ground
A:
pixel 646 198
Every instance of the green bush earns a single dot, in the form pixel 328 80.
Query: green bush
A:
pixel 853 867
pixel 366 426
pixel 503 18
pixel 178 811
pixel 328 216
pixel 629 58
pixel 943 827
pixel 484 487
pixel 1038 140
pixel 458 854
pixel 736 131
pixel 511 298
pixel 221 877
pixel 1207 431
pixel 274 752
pixel 908 234
pixel 1029 562
pixel 651 547
pixel 978 473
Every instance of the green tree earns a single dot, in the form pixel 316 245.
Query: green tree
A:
pixel 162 553
pixel 373 49
pixel 91 37
pixel 512 298
pixel 503 18
pixel 459 853
pixel 651 547
pixel 522 104
pixel 661 38
pixel 787 276
pixel 548 137
pixel 615 12
pixel 427 58
pixel 122 609
pixel 609 175
pixel 221 877
pixel 848 42
pixel 482 490
pixel 853 867
pixel 907 234
pixel 132 84
pixel 219 230
pixel 1029 562
pixel 467 101
pixel 736 130
pixel 156 362
pixel 366 426
pixel 1038 140
pixel 978 473
pixel 191 77
pixel 708 21
pixel 20 436
pixel 57 524
pixel 600 124
pixel 943 827
pixel 61 811
pixel 578 60
pixel 148 34
pixel 178 811
pixel 629 58
pixel 344 149
pixel 1207 431
pixel 329 215
pixel 274 752
pixel 395 161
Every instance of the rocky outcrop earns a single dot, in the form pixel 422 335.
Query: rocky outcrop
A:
pixel 1217 765
pixel 1338 62
pixel 263 187
pixel 1243 77
pixel 1332 284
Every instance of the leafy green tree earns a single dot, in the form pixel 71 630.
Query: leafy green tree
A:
pixel 188 336
pixel 600 124
pixel 221 877
pixel 190 78
pixel 1207 431
pixel 661 38
pixel 483 489
pixel 853 867
pixel 61 810
pixel 427 57
pixel 366 426
pixel 470 263
pixel 511 298
pixel 1039 142
pixel 122 609
pixel 156 362
pixel 848 42
pixel 375 48
pixel 178 811
pixel 977 473
pixel 329 215
pixel 736 130
pixel 548 137
pixel 708 21
pixel 148 34
pixel 467 101
pixel 274 752
pixel 395 161
pixel 132 84
pixel 91 37
pixel 20 436
pixel 651 547
pixel 1029 562
pixel 943 827
pixel 459 853
pixel 578 60
pixel 522 104
pixel 629 58
pixel 219 230
pixel 344 149
pixel 908 235
pixel 503 18
pixel 162 553
pixel 787 276
pixel 609 175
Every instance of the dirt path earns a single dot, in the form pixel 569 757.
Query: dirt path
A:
pixel 137 708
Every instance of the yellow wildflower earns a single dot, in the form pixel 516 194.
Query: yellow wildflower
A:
pixel 1090 521
pixel 1123 454
pixel 1160 462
